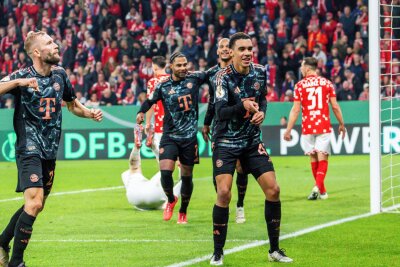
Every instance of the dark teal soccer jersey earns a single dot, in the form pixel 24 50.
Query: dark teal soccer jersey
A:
pixel 180 100
pixel 37 115
pixel 231 89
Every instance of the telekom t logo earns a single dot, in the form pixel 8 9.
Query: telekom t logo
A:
pixel 185 102
pixel 49 109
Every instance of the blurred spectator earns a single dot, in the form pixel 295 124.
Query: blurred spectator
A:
pixel 364 96
pixel 99 86
pixel 108 98
pixel 345 93
pixel 93 101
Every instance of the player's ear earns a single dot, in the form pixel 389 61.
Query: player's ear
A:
pixel 231 52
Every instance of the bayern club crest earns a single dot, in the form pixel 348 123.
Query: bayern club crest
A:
pixel 34 178
pixel 56 86
pixel 189 85
pixel 256 85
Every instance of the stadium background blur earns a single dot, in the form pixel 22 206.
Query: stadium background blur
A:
pixel 106 46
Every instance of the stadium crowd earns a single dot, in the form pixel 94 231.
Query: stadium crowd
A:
pixel 107 46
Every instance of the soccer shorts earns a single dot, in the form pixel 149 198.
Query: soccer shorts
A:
pixel 186 150
pixel 254 159
pixel 35 172
pixel 314 143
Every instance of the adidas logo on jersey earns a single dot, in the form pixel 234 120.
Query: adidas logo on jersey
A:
pixel 171 92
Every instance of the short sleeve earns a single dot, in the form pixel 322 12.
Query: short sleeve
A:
pixel 296 94
pixel 69 92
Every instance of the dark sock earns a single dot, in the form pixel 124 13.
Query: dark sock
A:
pixel 220 227
pixel 272 214
pixel 22 234
pixel 8 233
pixel 186 192
pixel 167 184
pixel 241 183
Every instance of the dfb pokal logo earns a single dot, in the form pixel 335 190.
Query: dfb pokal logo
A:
pixel 8 147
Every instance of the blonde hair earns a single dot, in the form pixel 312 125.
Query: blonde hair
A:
pixel 31 37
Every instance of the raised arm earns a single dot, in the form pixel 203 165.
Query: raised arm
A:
pixel 7 86
pixel 81 111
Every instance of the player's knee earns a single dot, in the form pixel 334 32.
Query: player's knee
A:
pixel 224 195
pixel 274 192
pixel 34 206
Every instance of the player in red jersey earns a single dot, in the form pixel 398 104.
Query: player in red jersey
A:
pixel 154 132
pixel 312 95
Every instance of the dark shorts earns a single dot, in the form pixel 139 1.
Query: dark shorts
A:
pixel 186 150
pixel 254 159
pixel 35 172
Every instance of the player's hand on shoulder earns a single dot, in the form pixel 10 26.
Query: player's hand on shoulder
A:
pixel 140 118
pixel 96 114
pixel 287 136
pixel 29 82
pixel 206 132
pixel 250 105
pixel 258 118
pixel 342 130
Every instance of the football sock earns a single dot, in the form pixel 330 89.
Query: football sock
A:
pixel 272 213
pixel 321 173
pixel 8 232
pixel 241 183
pixel 167 184
pixel 220 227
pixel 314 169
pixel 22 234
pixel 186 192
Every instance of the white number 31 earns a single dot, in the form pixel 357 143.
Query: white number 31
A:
pixel 315 95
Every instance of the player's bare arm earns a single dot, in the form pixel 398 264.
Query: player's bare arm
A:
pixel 206 132
pixel 294 114
pixel 338 114
pixel 81 111
pixel 6 87
pixel 149 115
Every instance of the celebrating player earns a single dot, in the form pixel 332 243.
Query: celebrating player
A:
pixel 179 95
pixel 143 193
pixel 240 106
pixel 38 92
pixel 225 59
pixel 312 95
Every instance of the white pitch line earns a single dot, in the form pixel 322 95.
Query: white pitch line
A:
pixel 134 240
pixel 263 242
pixel 85 191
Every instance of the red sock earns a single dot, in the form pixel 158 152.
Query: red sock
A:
pixel 321 173
pixel 314 169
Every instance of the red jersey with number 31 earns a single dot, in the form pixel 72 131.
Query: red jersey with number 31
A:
pixel 314 93
pixel 158 108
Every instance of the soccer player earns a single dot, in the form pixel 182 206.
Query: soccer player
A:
pixel 143 193
pixel 179 95
pixel 240 106
pixel 154 134
pixel 225 59
pixel 312 95
pixel 38 92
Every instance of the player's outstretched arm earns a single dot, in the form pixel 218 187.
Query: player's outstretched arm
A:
pixel 339 116
pixel 294 114
pixel 7 86
pixel 81 111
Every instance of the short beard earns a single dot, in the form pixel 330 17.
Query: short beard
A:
pixel 52 61
pixel 226 59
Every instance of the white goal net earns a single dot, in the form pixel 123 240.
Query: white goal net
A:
pixel 385 104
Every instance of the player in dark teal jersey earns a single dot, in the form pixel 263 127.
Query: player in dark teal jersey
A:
pixel 240 107
pixel 225 59
pixel 38 94
pixel 179 94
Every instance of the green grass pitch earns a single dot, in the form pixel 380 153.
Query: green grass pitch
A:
pixel 101 229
